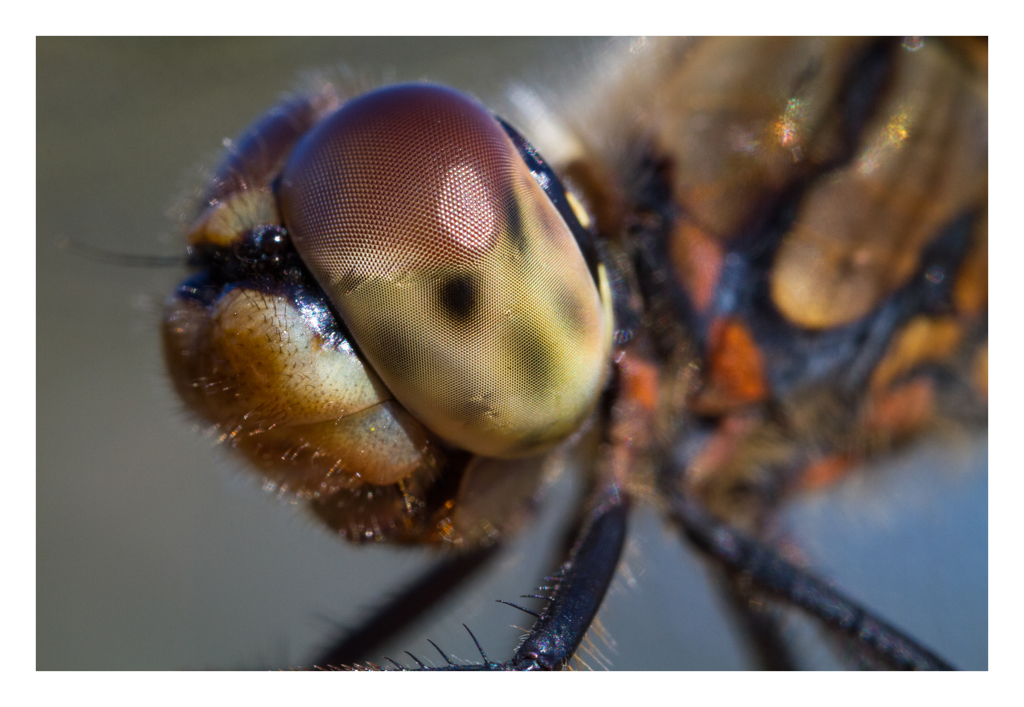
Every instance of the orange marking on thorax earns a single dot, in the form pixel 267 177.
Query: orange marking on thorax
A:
pixel 735 364
pixel 697 261
pixel 639 382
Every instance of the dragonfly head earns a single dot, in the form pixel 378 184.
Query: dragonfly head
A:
pixel 394 307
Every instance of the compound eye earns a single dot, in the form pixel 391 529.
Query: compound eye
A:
pixel 456 276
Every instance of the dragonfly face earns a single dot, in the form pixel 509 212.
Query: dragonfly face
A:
pixel 622 597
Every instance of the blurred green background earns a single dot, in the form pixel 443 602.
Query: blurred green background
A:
pixel 156 551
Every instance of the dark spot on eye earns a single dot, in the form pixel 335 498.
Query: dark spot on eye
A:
pixel 514 223
pixel 458 297
pixel 533 361
pixel 398 352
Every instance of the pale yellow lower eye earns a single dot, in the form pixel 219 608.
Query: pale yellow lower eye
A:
pixel 456 276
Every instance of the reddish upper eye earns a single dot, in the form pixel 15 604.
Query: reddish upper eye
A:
pixel 400 178
pixel 457 277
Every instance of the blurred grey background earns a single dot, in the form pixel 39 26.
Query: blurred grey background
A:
pixel 155 550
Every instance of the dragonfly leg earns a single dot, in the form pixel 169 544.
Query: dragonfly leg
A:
pixel 759 622
pixel 414 601
pixel 580 587
pixel 768 572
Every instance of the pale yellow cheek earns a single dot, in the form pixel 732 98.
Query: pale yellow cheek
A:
pixel 379 445
pixel 280 367
pixel 307 413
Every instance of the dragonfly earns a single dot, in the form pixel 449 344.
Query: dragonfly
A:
pixel 525 104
